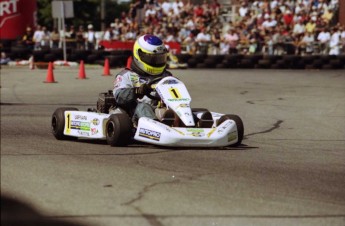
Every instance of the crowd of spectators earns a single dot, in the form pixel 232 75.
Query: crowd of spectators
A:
pixel 273 27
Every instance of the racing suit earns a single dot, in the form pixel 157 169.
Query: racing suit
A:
pixel 125 96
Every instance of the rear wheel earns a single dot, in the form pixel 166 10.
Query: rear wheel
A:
pixel 119 130
pixel 58 124
pixel 239 124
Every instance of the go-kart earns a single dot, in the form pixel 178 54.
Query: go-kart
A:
pixel 177 124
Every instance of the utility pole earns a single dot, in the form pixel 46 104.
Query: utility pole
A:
pixel 103 26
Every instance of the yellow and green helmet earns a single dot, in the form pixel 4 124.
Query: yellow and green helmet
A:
pixel 150 54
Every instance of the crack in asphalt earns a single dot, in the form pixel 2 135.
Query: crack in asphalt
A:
pixel 147 189
pixel 152 218
pixel 274 127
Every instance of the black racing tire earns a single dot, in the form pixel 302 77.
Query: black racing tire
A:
pixel 119 130
pixel 239 124
pixel 58 123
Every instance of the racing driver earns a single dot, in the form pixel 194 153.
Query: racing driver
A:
pixel 131 84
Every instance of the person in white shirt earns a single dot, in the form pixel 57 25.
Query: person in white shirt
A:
pixel 38 37
pixel 334 42
pixel 150 11
pixel 307 43
pixel 269 22
pixel 177 6
pixel 243 10
pixel 203 39
pixel 342 38
pixel 90 37
pixel 166 7
pixel 324 37
pixel 298 28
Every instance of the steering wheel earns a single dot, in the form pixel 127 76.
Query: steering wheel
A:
pixel 154 81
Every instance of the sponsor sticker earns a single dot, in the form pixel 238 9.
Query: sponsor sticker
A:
pixel 78 125
pixel 232 136
pixel 150 134
pixel 170 82
pixel 83 133
pixel 80 117
pixel 179 99
pixel 94 131
pixel 95 121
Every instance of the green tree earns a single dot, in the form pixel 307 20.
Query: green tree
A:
pixel 85 12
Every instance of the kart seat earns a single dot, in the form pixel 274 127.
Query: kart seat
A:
pixel 168 117
pixel 206 120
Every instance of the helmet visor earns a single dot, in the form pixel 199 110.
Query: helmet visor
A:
pixel 155 60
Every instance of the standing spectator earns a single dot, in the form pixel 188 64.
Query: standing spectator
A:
pixel 55 38
pixel 306 46
pixel 28 38
pixel 80 36
pixel 38 37
pixel 90 37
pixel 216 40
pixel 203 39
pixel 232 38
pixel 324 38
pixel 71 37
pixel 45 43
pixel 342 38
pixel 108 34
pixel 334 42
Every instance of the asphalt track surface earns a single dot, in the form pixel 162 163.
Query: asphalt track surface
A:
pixel 290 169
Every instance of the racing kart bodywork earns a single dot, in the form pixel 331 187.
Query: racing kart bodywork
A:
pixel 183 126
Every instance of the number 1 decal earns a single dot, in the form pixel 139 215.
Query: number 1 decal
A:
pixel 68 127
pixel 175 93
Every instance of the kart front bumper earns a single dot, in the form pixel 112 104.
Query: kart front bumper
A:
pixel 154 132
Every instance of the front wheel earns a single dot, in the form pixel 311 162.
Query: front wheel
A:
pixel 119 130
pixel 58 123
pixel 239 125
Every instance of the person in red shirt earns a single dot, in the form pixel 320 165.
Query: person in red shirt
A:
pixel 198 11
pixel 288 18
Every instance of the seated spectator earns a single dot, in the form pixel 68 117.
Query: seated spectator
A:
pixel 298 28
pixel 269 22
pixel 310 26
pixel 4 59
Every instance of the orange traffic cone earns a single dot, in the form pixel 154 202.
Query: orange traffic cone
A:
pixel 50 74
pixel 106 69
pixel 129 61
pixel 82 74
pixel 31 63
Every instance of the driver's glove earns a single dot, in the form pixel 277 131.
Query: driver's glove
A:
pixel 142 90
